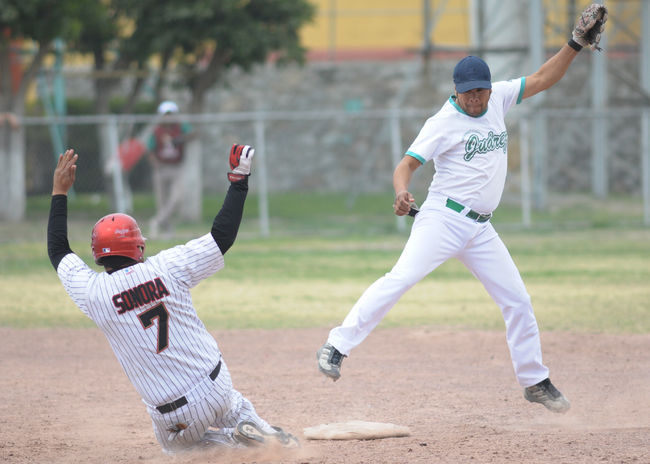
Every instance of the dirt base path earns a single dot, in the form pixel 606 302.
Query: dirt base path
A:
pixel 65 398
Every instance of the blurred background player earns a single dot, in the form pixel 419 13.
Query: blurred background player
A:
pixel 145 310
pixel 167 147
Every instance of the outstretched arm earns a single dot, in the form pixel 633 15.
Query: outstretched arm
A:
pixel 226 223
pixel 57 225
pixel 550 72
pixel 588 28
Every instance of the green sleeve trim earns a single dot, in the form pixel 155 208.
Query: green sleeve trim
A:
pixel 522 87
pixel 416 156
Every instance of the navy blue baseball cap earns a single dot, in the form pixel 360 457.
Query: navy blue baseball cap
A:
pixel 472 73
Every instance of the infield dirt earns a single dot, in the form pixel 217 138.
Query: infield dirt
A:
pixel 66 399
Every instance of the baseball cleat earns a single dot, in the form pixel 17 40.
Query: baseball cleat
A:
pixel 329 361
pixel 545 393
pixel 286 439
pixel 250 434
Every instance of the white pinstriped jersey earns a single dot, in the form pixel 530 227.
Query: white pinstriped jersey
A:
pixel 470 153
pixel 147 315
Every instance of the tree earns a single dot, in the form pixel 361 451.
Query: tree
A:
pixel 199 40
pixel 206 37
pixel 38 23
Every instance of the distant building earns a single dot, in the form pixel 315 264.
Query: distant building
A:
pixel 352 29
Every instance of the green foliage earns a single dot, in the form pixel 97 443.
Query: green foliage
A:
pixel 100 26
pixel 206 37
pixel 244 32
pixel 41 20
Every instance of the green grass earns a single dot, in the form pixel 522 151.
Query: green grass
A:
pixel 582 276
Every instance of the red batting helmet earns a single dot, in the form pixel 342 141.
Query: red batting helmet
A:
pixel 117 235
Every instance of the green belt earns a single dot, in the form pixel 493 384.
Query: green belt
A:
pixel 478 217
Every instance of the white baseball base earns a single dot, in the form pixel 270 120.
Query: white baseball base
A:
pixel 355 430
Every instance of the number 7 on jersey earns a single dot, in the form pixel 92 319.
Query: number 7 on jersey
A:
pixel 147 319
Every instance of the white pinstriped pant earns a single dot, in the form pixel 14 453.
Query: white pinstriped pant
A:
pixel 439 233
pixel 210 404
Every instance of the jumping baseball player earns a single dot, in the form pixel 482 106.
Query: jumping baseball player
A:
pixel 467 140
pixel 145 310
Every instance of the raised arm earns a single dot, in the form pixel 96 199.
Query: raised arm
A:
pixel 226 223
pixel 587 32
pixel 57 225
pixel 550 72
pixel 64 173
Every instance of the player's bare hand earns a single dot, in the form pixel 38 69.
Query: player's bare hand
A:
pixel 64 174
pixel 402 203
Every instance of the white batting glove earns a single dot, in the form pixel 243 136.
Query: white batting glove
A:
pixel 589 26
pixel 241 157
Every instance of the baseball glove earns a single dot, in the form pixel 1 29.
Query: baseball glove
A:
pixel 590 25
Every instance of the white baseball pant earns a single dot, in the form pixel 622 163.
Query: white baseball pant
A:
pixel 169 188
pixel 440 233
pixel 213 411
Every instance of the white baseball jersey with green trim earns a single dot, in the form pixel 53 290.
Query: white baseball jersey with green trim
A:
pixel 470 153
pixel 470 156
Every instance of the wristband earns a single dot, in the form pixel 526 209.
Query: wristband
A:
pixel 233 177
pixel 575 45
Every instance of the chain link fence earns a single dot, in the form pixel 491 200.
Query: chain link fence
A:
pixel 351 152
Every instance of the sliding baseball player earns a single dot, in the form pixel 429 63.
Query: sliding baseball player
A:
pixel 145 310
